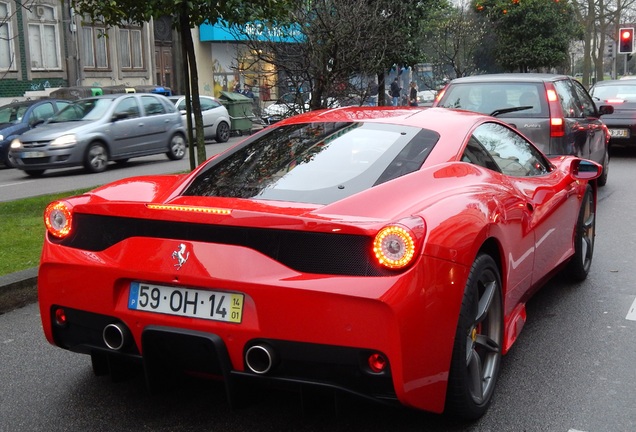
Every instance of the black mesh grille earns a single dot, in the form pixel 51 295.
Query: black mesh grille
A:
pixel 307 252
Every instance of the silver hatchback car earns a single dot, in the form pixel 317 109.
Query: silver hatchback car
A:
pixel 92 131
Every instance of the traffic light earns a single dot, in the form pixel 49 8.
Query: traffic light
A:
pixel 626 40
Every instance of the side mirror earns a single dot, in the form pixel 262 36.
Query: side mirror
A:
pixel 582 169
pixel 605 109
pixel 119 116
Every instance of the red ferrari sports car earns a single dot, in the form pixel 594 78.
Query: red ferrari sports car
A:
pixel 384 252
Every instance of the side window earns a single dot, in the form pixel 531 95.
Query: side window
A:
pixel 568 99
pixel 62 104
pixel 476 154
pixel 128 106
pixel 41 112
pixel 152 105
pixel 588 107
pixel 510 151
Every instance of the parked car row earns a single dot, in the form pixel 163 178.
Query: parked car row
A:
pixel 36 136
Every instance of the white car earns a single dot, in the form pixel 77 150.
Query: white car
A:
pixel 426 97
pixel 290 104
pixel 216 119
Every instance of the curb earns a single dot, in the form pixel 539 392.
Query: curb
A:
pixel 18 289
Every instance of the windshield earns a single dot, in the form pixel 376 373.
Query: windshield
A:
pixel 83 110
pixel 12 114
pixel 316 162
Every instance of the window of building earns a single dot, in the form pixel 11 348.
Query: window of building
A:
pixel 44 38
pixel 95 43
pixel 131 49
pixel 7 53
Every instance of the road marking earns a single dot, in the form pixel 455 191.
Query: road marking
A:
pixel 19 183
pixel 631 315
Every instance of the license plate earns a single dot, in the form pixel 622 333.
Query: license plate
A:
pixel 619 133
pixel 187 302
pixel 33 154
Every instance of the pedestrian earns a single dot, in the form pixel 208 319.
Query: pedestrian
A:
pixel 237 87
pixel 413 94
pixel 247 91
pixel 373 93
pixel 395 92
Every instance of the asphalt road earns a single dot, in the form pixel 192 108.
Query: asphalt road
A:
pixel 572 369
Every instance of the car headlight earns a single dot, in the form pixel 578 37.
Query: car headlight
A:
pixel 64 140
pixel 1 137
pixel 16 144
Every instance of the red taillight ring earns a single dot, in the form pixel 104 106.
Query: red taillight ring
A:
pixel 58 218
pixel 394 246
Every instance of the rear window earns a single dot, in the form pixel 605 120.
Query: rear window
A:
pixel 619 91
pixel 487 98
pixel 315 163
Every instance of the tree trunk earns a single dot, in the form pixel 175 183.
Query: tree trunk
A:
pixel 381 89
pixel 190 135
pixel 186 34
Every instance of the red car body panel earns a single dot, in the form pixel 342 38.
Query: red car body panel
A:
pixel 410 316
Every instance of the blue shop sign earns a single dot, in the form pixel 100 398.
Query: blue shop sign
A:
pixel 221 32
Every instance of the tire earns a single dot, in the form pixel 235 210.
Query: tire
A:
pixel 602 180
pixel 222 132
pixel 584 234
pixel 478 343
pixel 9 161
pixel 96 158
pixel 34 173
pixel 177 147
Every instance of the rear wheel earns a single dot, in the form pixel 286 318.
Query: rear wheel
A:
pixel 96 158
pixel 222 132
pixel 585 231
pixel 177 149
pixel 478 343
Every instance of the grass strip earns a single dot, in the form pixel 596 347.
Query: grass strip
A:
pixel 22 228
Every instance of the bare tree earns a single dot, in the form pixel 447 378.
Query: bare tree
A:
pixel 456 38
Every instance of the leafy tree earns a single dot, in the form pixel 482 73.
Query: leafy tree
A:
pixel 531 34
pixel 188 14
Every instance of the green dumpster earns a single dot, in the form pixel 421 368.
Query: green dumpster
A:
pixel 239 107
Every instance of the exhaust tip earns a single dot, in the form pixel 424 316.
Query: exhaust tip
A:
pixel 260 359
pixel 115 336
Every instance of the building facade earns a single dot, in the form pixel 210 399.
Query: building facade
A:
pixel 45 45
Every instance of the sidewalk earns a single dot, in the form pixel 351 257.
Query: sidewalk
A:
pixel 18 289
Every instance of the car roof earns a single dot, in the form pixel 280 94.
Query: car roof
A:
pixel 32 102
pixel 511 77
pixel 121 95
pixel 615 82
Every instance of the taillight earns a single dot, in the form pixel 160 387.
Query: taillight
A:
pixel 58 217
pixel 557 127
pixel 557 123
pixel 440 94
pixel 616 101
pixel 395 245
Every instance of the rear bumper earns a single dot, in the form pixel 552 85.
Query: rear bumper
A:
pixel 169 350
pixel 321 328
